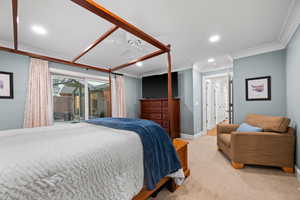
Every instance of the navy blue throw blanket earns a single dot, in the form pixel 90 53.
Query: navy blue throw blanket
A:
pixel 160 157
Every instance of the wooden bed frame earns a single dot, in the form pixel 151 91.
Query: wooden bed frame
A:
pixel 117 22
pixel 181 147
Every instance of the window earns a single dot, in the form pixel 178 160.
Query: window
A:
pixel 79 98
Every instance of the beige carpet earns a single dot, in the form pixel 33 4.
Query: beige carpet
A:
pixel 213 178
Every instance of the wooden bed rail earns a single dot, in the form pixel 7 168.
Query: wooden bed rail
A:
pixel 51 59
pixel 94 44
pixel 151 55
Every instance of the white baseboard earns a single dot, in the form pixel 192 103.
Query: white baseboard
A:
pixel 297 170
pixel 190 137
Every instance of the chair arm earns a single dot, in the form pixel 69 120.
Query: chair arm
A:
pixel 226 128
pixel 263 148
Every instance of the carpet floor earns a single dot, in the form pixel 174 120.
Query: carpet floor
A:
pixel 213 178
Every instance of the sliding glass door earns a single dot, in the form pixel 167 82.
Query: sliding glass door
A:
pixel 98 99
pixel 76 99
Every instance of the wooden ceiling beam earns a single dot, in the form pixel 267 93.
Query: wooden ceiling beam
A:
pixel 56 60
pixel 118 21
pixel 15 22
pixel 146 57
pixel 94 44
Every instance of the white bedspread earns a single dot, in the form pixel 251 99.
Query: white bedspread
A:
pixel 70 162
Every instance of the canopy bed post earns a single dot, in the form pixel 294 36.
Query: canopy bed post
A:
pixel 15 22
pixel 170 97
pixel 110 95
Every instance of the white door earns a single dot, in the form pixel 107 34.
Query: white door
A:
pixel 222 100
pixel 209 105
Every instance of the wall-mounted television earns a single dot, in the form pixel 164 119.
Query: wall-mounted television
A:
pixel 157 86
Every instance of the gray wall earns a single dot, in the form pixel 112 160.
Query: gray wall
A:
pixel 12 110
pixel 268 64
pixel 185 93
pixel 132 96
pixel 197 101
pixel 293 85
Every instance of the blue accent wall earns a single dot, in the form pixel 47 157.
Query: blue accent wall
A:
pixel 293 86
pixel 133 87
pixel 185 93
pixel 197 101
pixel 12 110
pixel 268 64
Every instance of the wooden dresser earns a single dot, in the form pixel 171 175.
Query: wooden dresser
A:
pixel 157 110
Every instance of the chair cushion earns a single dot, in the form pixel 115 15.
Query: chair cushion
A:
pixel 268 123
pixel 244 127
pixel 225 139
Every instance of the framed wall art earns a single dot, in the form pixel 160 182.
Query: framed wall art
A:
pixel 258 89
pixel 6 85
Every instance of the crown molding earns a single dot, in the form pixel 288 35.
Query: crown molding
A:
pixel 265 48
pixel 291 23
pixel 229 67
pixel 288 29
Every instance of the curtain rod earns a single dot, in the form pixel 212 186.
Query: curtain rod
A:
pixel 118 74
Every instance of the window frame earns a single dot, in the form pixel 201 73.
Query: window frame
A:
pixel 77 76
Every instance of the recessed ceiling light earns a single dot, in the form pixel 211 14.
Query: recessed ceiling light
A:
pixel 211 60
pixel 139 64
pixel 214 38
pixel 39 30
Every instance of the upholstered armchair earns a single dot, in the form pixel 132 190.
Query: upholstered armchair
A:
pixel 274 146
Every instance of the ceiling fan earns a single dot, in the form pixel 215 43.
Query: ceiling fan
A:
pixel 132 46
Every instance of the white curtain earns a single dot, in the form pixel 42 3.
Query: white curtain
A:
pixel 38 109
pixel 118 97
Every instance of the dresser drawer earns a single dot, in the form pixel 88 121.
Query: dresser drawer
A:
pixel 149 107
pixel 165 124
pixel 165 116
pixel 151 103
pixel 157 110
pixel 165 104
pixel 151 116
pixel 165 110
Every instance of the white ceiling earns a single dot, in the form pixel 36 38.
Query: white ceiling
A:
pixel 186 25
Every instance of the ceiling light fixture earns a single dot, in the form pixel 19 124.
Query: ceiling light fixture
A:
pixel 139 64
pixel 211 60
pixel 214 38
pixel 39 30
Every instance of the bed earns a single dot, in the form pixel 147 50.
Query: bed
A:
pixel 80 161
pixel 71 161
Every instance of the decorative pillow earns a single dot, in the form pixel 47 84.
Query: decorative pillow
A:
pixel 268 123
pixel 244 127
